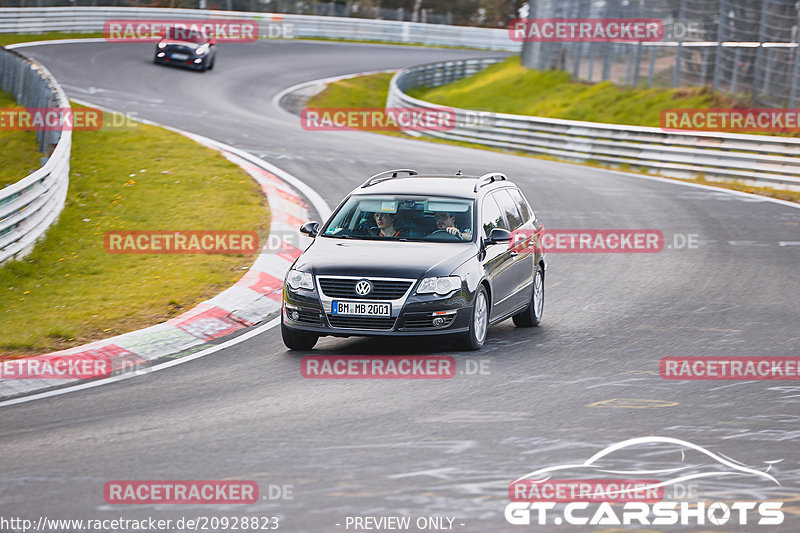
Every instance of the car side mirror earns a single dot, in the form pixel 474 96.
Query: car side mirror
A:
pixel 498 235
pixel 212 42
pixel 312 228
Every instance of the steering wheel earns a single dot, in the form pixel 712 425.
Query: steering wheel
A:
pixel 441 231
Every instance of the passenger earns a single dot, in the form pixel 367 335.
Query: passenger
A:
pixel 385 222
pixel 447 222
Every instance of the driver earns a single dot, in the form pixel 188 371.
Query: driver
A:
pixel 447 222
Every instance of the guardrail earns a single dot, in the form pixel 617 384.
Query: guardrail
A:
pixel 29 206
pixel 91 19
pixel 762 159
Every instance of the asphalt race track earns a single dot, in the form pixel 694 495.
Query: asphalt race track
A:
pixel 429 447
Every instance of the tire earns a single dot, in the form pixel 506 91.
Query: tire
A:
pixel 211 65
pixel 298 340
pixel 479 323
pixel 532 315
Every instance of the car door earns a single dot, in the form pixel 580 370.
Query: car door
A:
pixel 522 263
pixel 497 260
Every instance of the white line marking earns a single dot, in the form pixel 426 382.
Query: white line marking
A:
pixel 56 41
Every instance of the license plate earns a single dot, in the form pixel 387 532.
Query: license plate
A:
pixel 181 57
pixel 361 308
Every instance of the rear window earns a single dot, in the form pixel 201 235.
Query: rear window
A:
pixel 509 207
pixel 522 204
pixel 491 217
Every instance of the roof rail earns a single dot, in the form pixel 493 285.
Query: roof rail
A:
pixel 486 179
pixel 387 175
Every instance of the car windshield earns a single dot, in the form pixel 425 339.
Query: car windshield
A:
pixel 405 218
pixel 186 35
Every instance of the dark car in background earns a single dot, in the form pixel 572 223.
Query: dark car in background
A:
pixel 197 52
pixel 409 255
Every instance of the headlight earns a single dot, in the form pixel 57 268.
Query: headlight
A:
pixel 162 44
pixel 202 49
pixel 299 280
pixel 443 285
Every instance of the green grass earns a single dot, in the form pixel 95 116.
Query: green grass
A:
pixel 69 290
pixel 508 87
pixel 19 150
pixel 10 38
pixel 361 91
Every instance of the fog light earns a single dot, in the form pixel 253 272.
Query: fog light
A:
pixel 438 321
pixel 295 315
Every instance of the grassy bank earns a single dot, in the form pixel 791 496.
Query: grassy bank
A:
pixel 19 155
pixel 599 103
pixel 508 87
pixel 10 38
pixel 69 290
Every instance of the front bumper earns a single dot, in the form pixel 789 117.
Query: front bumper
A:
pixel 189 63
pixel 304 310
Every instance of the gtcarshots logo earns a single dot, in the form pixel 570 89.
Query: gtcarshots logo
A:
pixel 180 492
pixel 145 30
pixel 541 499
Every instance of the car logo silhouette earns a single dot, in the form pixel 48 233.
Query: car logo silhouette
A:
pixel 363 287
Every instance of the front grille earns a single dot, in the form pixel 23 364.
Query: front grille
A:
pixel 361 322
pixel 424 321
pixel 381 289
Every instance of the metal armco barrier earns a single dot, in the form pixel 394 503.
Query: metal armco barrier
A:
pixel 29 206
pixel 766 160
pixel 91 19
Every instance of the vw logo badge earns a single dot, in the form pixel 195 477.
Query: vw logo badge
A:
pixel 363 287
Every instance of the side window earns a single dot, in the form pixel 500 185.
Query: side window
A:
pixel 522 204
pixel 509 207
pixel 491 217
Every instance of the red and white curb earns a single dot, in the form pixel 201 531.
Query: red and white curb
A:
pixel 253 299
